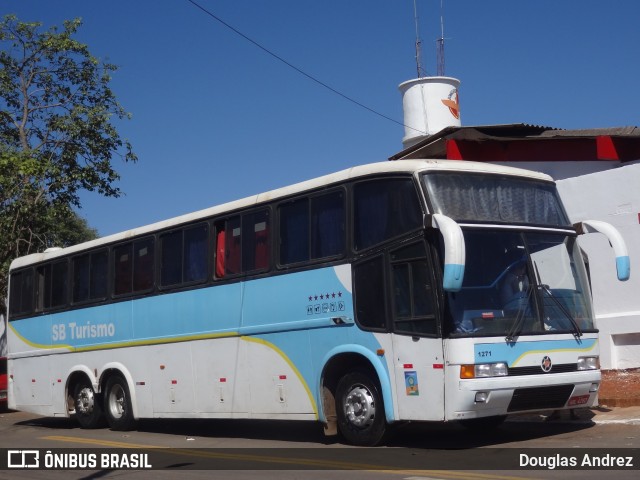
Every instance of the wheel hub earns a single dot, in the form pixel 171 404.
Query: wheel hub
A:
pixel 360 407
pixel 85 401
pixel 116 401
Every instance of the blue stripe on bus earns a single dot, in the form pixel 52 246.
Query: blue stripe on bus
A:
pixel 293 312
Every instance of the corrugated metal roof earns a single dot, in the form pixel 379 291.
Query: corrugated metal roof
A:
pixel 435 145
pixel 594 132
pixel 478 132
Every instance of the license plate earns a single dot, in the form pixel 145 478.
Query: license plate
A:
pixel 579 400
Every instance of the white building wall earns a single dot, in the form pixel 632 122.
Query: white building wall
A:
pixel 612 196
pixel 607 191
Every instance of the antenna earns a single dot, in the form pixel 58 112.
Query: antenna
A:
pixel 440 42
pixel 419 68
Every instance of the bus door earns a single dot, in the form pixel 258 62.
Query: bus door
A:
pixel 417 345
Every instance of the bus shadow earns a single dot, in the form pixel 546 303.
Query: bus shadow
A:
pixel 273 430
pixel 455 436
pixel 419 435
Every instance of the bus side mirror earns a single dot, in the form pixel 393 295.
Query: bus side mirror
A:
pixel 454 251
pixel 623 264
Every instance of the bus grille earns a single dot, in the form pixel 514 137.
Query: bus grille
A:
pixel 540 398
pixel 536 370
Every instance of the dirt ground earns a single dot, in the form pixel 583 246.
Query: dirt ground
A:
pixel 620 388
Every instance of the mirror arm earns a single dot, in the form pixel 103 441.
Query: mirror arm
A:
pixel 623 264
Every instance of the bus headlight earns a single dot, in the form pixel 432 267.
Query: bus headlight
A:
pixel 588 363
pixel 484 370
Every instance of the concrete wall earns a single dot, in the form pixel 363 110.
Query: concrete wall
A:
pixel 607 191
pixel 612 196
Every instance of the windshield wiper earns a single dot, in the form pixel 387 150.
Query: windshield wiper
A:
pixel 518 324
pixel 545 288
pixel 563 309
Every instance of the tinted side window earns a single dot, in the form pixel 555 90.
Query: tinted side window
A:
pixel 233 246
pixel 59 284
pixel 90 276
pixel 370 293
pixel 294 232
pixel 184 256
pixel 21 299
pixel 312 228
pixel 133 267
pixel 242 244
pixel 413 296
pixel 384 209
pixel 52 286
pixel 255 241
pixel 327 225
pixel 171 258
pixel 143 264
pixel 122 269
pixel 195 253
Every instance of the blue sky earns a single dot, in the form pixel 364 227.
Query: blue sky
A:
pixel 216 119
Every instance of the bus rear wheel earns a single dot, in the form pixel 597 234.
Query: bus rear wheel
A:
pixel 117 401
pixel 87 405
pixel 359 410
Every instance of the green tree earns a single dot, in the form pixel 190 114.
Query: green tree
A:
pixel 57 137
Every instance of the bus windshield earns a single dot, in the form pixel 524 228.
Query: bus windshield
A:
pixel 520 283
pixel 473 198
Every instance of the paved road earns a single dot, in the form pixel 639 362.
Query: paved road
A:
pixel 299 450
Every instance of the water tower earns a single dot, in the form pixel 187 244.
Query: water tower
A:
pixel 429 103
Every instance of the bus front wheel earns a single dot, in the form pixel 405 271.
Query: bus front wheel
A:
pixel 118 404
pixel 87 405
pixel 359 409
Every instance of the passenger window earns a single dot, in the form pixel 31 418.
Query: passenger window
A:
pixel 171 258
pixel 233 246
pixel 384 209
pixel 122 269
pixel 195 254
pixel 21 299
pixel 294 232
pixel 90 276
pixel 220 250
pixel 143 264
pixel 255 238
pixel 370 293
pixel 242 244
pixel 183 256
pixel 43 287
pixel 52 286
pixel 312 228
pixel 413 295
pixel 327 225
pixel 59 284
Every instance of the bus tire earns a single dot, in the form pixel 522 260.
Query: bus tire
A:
pixel 117 404
pixel 359 409
pixel 87 405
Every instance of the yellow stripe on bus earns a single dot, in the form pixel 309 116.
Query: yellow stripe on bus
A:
pixel 290 363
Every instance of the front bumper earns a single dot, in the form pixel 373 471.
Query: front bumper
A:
pixel 483 397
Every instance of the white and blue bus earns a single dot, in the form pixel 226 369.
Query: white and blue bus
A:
pixel 415 290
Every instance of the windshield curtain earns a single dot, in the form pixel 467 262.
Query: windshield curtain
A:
pixel 519 283
pixel 468 197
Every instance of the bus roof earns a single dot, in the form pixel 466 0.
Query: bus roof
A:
pixel 398 166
